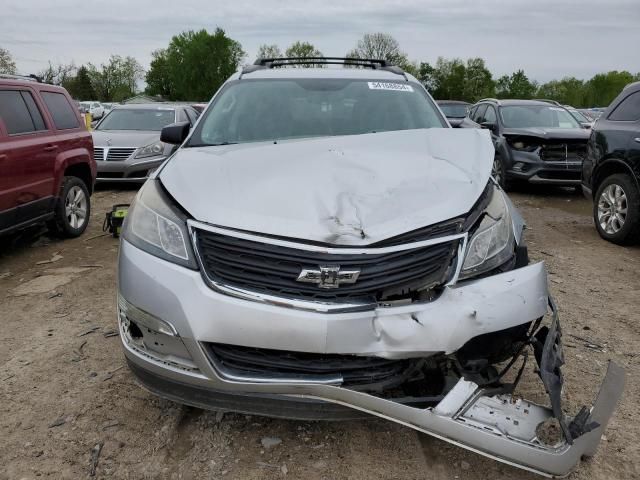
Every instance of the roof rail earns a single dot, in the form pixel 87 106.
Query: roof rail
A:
pixel 489 100
pixel 31 78
pixel 375 64
pixel 546 100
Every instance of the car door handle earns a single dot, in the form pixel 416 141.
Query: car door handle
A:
pixel 50 148
pixel 3 157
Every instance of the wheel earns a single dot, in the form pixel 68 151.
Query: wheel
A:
pixel 73 208
pixel 616 209
pixel 499 172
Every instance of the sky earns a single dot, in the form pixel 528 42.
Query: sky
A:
pixel 546 38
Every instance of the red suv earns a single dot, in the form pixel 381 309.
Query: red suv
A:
pixel 47 170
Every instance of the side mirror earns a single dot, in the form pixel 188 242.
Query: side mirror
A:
pixel 176 133
pixel 586 125
pixel 489 126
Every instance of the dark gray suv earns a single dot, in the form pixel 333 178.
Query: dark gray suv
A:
pixel 535 141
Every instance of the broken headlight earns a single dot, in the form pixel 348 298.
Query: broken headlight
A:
pixel 157 227
pixel 492 243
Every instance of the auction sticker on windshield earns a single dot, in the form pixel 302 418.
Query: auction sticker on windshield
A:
pixel 400 87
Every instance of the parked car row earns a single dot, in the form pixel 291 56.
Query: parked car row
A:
pixel 280 263
pixel 544 142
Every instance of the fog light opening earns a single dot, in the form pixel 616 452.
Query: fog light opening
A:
pixel 134 331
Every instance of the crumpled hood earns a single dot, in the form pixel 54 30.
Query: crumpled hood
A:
pixel 124 138
pixel 550 133
pixel 356 189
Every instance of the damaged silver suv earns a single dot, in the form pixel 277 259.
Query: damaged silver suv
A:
pixel 324 245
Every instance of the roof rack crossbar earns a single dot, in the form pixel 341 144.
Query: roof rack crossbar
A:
pixel 547 100
pixel 31 78
pixel 375 64
pixel 279 61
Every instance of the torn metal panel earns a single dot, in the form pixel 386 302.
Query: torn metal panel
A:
pixel 497 426
pixel 343 190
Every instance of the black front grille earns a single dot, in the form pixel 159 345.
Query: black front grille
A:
pixel 273 269
pixel 268 363
pixel 560 152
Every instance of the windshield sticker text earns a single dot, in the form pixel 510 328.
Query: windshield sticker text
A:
pixel 400 87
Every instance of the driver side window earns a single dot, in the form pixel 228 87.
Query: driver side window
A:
pixel 490 115
pixel 478 114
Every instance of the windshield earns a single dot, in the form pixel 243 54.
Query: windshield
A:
pixel 453 110
pixel 541 116
pixel 579 116
pixel 152 120
pixel 269 110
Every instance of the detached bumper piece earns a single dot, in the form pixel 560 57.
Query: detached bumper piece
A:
pixel 478 413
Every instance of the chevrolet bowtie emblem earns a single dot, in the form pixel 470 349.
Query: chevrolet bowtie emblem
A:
pixel 328 276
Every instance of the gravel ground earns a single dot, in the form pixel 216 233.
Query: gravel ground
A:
pixel 64 389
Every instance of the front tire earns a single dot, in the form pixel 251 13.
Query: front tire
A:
pixel 499 172
pixel 616 209
pixel 73 209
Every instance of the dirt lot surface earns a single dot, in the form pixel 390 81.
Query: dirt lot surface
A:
pixel 64 388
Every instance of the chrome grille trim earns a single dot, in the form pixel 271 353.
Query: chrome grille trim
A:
pixel 316 305
pixel 117 154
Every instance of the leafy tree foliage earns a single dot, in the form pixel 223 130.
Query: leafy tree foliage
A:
pixel 517 85
pixel 158 77
pixel 604 87
pixel 269 51
pixel 568 91
pixel 80 86
pixel 380 46
pixel 117 79
pixel 303 49
pixel 7 65
pixel 456 80
pixel 194 65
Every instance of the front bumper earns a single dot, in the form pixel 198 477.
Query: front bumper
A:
pixel 529 167
pixel 128 171
pixel 470 415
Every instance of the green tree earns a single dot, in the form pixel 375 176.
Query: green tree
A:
pixel 7 65
pixel 568 91
pixel 194 65
pixel 426 76
pixel 478 81
pixel 303 49
pixel 158 77
pixel 380 46
pixel 80 86
pixel 117 79
pixel 604 87
pixel 449 79
pixel 269 51
pixel 517 85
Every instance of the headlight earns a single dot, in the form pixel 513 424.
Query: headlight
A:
pixel 524 146
pixel 492 244
pixel 153 150
pixel 157 227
